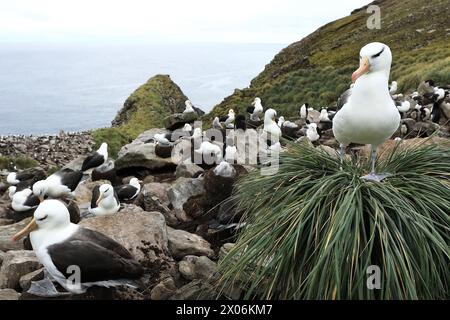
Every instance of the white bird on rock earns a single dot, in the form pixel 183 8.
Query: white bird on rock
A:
pixel 304 111
pixel 187 128
pixel 24 200
pixel 61 245
pixel 224 169
pixel 163 138
pixel 404 106
pixel 210 151
pixel 370 115
pixel 104 201
pixel 96 159
pixel 229 119
pixel 216 124
pixel 271 127
pixel 189 107
pixel 324 117
pixel 393 88
pixel 311 133
pixel 231 154
pixel 255 110
pixel 59 184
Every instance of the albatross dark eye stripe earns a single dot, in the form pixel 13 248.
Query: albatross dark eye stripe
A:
pixel 378 54
pixel 42 219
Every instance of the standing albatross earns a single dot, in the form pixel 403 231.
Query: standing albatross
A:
pixel 61 245
pixel 370 115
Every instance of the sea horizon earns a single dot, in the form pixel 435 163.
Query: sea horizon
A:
pixel 45 88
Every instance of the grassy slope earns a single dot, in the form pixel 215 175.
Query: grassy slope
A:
pixel 317 69
pixel 144 109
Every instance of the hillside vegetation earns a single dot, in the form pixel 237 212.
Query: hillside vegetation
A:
pixel 144 109
pixel 318 68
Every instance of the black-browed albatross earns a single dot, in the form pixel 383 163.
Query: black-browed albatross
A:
pixel 96 159
pixel 60 245
pixel 370 115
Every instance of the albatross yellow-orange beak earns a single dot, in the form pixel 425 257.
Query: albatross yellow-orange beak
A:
pixel 100 198
pixel 25 231
pixel 363 68
pixel 41 198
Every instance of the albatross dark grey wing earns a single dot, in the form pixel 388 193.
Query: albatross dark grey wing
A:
pixel 126 192
pixel 99 257
pixel 92 161
pixel 95 195
pixel 32 201
pixel 343 99
pixel 70 178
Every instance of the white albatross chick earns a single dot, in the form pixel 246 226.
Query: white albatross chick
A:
pixel 404 106
pixel 231 154
pixel 162 138
pixel 60 244
pixel 370 115
pixel 311 133
pixel 187 128
pixel 393 88
pixel 198 134
pixel 210 151
pixel 11 178
pixel 224 169
pixel 324 116
pixel 106 202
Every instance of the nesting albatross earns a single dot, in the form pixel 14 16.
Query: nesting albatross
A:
pixel 370 115
pixel 96 159
pixel 60 245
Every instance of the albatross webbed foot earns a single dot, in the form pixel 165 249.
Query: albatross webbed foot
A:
pixel 376 177
pixel 45 288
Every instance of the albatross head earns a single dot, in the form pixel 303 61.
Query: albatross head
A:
pixel 373 57
pixel 50 215
pixel 106 191
pixel 270 115
pixel 257 100
pixel 40 189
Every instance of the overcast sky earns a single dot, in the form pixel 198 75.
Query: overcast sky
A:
pixel 167 21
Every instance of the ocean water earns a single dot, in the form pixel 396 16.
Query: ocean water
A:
pixel 44 89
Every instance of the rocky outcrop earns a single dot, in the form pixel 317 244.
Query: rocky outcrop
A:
pixel 144 234
pixel 7 232
pixel 141 154
pixel 157 98
pixel 15 265
pixel 183 243
pixel 178 120
pixel 183 189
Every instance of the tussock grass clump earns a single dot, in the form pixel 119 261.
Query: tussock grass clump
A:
pixel 313 229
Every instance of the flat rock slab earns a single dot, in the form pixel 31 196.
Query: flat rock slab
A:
pixel 9 294
pixel 178 120
pixel 7 232
pixel 15 265
pixel 183 243
pixel 143 233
